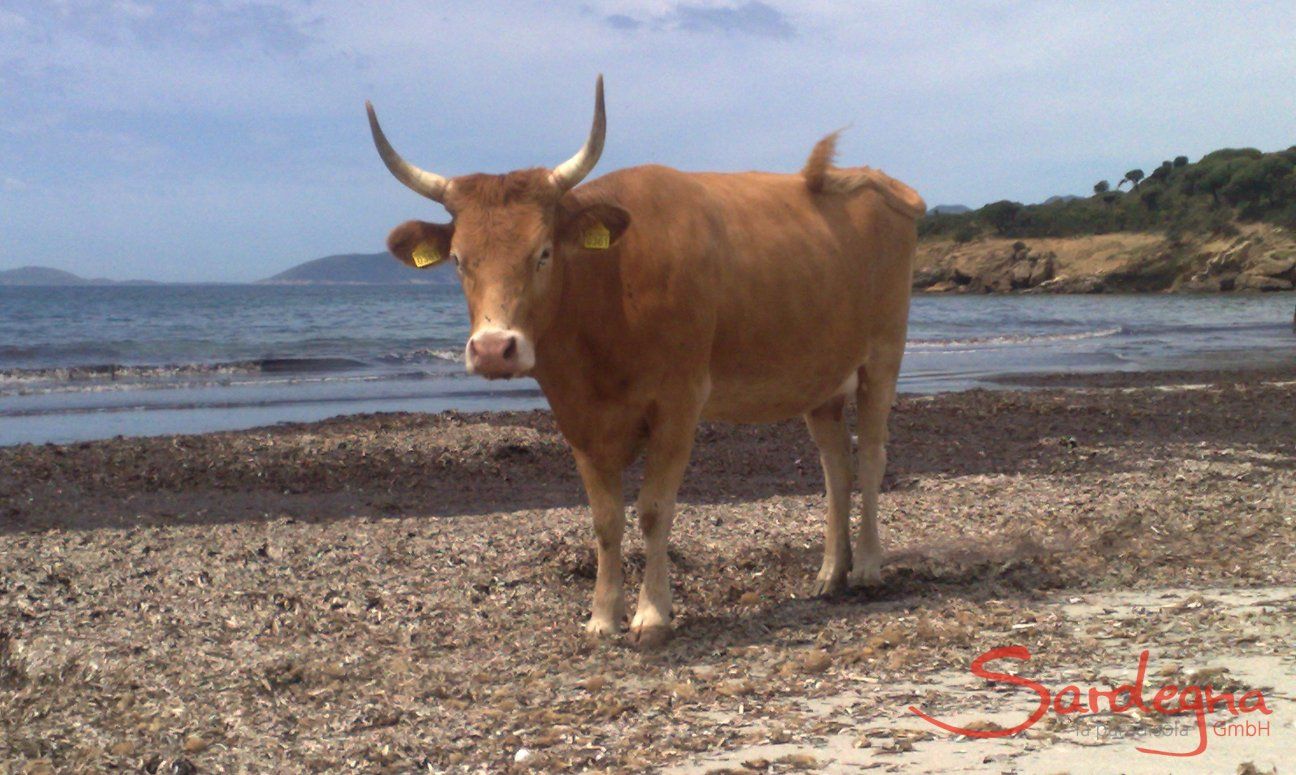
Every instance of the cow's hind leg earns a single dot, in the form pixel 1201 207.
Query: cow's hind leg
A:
pixel 603 486
pixel 827 425
pixel 670 442
pixel 876 392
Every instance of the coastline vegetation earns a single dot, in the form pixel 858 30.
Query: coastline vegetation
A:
pixel 1181 199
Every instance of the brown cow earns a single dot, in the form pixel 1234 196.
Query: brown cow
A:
pixel 649 299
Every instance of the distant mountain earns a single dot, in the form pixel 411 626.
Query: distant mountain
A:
pixel 350 269
pixel 40 275
pixel 961 209
pixel 361 269
pixel 44 275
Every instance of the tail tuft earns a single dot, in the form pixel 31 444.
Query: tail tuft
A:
pixel 820 162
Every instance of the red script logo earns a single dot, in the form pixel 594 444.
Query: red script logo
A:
pixel 1169 700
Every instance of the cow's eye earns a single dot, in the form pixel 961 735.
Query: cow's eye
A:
pixel 455 258
pixel 544 256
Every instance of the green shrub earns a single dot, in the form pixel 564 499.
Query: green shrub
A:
pixel 1180 197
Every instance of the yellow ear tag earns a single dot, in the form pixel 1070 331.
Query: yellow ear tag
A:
pixel 426 255
pixel 597 237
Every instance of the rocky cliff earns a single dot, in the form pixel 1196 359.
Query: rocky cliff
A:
pixel 1257 258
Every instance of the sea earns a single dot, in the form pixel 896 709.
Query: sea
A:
pixel 90 362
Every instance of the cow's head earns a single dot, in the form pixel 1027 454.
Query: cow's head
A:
pixel 509 239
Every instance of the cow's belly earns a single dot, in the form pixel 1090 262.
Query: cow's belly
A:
pixel 763 390
pixel 786 346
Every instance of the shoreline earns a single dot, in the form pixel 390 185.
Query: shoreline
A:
pixel 1265 373
pixel 404 591
pixel 225 380
pixel 131 421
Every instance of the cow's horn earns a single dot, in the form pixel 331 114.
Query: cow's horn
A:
pixel 429 184
pixel 574 170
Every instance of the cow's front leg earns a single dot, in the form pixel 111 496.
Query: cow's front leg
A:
pixel 603 486
pixel 670 443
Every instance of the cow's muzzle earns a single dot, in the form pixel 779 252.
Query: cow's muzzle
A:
pixel 497 354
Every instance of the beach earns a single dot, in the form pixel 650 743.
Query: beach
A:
pixel 405 592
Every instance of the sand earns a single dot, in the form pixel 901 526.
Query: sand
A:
pixel 405 592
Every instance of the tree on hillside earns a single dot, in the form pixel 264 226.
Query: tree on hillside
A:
pixel 1230 154
pixel 1181 161
pixel 1133 176
pixel 1102 187
pixel 1162 172
pixel 1001 215
pixel 1217 176
pixel 1259 182
pixel 1151 197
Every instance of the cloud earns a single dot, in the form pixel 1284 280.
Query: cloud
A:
pixel 620 21
pixel 753 18
pixel 209 25
pixel 750 18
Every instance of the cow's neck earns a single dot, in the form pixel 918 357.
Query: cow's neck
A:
pixel 580 363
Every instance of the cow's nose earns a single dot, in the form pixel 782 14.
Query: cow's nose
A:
pixel 494 354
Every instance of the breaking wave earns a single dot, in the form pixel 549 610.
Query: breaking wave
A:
pixel 108 377
pixel 972 342
pixel 423 355
pixel 123 371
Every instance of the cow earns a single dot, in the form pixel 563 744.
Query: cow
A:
pixel 650 299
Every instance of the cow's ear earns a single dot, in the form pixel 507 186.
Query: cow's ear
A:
pixel 420 244
pixel 592 227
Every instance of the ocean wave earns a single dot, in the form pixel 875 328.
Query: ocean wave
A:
pixel 111 372
pixel 129 371
pixel 1012 339
pixel 148 386
pixel 307 365
pixel 423 355
pixel 69 350
pixel 260 400
pixel 116 376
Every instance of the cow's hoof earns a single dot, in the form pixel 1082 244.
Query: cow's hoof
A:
pixel 870 575
pixel 650 629
pixel 830 583
pixel 601 628
pixel 650 636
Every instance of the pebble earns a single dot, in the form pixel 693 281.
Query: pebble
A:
pixel 196 744
pixel 816 661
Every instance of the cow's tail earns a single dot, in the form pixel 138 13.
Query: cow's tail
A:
pixel 821 177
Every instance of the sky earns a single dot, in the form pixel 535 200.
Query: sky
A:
pixel 198 140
